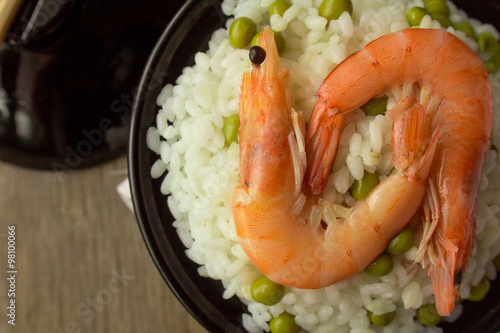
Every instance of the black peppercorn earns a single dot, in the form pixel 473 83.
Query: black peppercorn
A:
pixel 257 55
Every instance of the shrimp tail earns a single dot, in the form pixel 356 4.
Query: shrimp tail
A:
pixel 442 279
pixel 440 255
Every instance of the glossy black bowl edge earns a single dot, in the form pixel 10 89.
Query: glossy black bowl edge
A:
pixel 172 265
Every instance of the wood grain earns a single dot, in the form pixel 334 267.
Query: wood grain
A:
pixel 82 263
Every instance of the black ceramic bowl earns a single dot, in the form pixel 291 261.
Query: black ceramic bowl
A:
pixel 189 33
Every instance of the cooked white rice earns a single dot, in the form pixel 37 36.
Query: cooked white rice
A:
pixel 202 172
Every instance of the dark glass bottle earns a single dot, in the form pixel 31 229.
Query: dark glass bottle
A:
pixel 69 70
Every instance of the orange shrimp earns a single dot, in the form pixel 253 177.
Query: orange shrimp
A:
pixel 299 240
pixel 449 79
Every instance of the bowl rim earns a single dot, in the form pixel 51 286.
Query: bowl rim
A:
pixel 150 225
pixel 134 167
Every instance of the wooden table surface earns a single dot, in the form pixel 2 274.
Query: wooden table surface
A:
pixel 81 262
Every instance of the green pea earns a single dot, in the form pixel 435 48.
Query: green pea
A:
pixel 490 67
pixel 255 39
pixel 465 27
pixel 402 242
pixel 381 320
pixel 266 291
pixel 375 106
pixel 332 9
pixel 231 129
pixel 361 188
pixel 284 323
pixel 493 63
pixel 493 49
pixel 280 42
pixel 482 41
pixel 428 315
pixel 278 7
pixel 479 292
pixel 444 20
pixel 380 266
pixel 496 260
pixel 241 32
pixel 437 6
pixel 486 42
pixel 493 45
pixel 278 39
pixel 415 15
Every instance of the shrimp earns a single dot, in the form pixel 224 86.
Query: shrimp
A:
pixel 437 70
pixel 277 222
